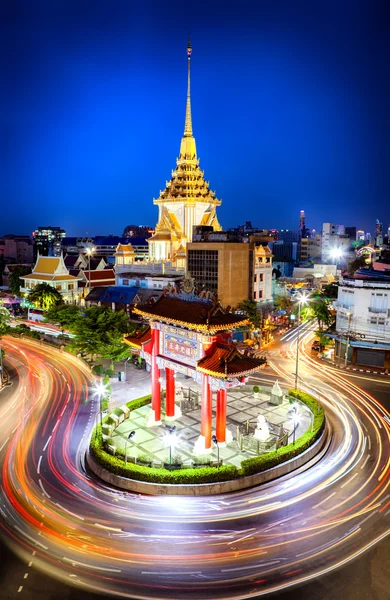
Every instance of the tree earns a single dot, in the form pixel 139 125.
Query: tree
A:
pixel 45 296
pixel 5 319
pixel 320 310
pixel 357 263
pixel 285 303
pixel 64 315
pixel 15 278
pixel 329 290
pixel 249 307
pixel 98 330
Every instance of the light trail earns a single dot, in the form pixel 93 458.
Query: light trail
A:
pixel 282 533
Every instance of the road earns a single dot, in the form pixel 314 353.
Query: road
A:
pixel 242 545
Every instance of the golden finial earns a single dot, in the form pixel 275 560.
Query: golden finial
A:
pixel 188 121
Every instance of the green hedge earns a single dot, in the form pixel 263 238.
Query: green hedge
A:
pixel 250 466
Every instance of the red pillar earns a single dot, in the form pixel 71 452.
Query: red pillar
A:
pixel 155 372
pixel 170 393
pixel 206 411
pixel 221 416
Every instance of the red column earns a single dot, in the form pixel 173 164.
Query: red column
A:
pixel 155 372
pixel 221 416
pixel 206 411
pixel 170 393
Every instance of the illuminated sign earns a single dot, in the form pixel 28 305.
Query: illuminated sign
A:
pixel 181 348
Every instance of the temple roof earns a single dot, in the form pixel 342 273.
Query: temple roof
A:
pixel 139 338
pixel 198 315
pixel 226 362
pixel 187 182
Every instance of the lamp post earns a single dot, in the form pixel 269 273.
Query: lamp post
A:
pixel 302 300
pixel 215 440
pixel 295 421
pixel 131 434
pixel 126 361
pixel 171 439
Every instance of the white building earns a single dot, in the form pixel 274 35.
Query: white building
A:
pixel 363 321
pixel 333 238
pixel 262 278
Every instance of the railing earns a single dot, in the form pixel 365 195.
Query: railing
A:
pixel 247 441
pixel 190 400
pixel 378 311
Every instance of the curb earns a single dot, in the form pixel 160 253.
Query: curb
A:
pixel 302 462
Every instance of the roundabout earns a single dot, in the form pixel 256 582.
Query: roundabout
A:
pixel 236 545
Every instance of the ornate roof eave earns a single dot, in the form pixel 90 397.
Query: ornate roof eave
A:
pixel 194 326
pixel 227 376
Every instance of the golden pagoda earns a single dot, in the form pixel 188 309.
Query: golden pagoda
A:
pixel 186 200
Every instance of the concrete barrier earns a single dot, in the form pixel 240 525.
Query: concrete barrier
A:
pixel 300 463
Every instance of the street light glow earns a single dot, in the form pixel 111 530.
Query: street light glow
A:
pixel 336 253
pixel 100 389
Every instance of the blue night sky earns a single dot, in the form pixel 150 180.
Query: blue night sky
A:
pixel 290 104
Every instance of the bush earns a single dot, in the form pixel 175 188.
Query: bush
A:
pixel 256 389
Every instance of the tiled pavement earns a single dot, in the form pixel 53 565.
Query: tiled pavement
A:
pixel 152 441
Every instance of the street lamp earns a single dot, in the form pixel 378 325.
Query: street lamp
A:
pixel 302 300
pixel 171 439
pixel 100 413
pixel 131 434
pixel 295 420
pixel 215 440
pixel 126 361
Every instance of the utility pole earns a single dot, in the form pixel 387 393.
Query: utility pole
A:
pixel 347 342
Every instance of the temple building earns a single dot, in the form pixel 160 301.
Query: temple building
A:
pixel 192 336
pixel 52 270
pixel 186 200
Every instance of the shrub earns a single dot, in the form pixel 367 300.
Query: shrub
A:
pixel 256 389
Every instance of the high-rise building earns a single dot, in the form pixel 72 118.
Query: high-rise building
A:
pixel 360 235
pixel 302 222
pixel 48 241
pixel 186 201
pixel 351 232
pixel 378 228
pixel 333 238
pixel 304 232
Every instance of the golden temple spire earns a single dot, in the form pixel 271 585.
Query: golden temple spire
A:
pixel 188 146
pixel 188 121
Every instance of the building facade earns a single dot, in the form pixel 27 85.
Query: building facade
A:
pixel 48 241
pixel 186 200
pixel 363 322
pixel 52 270
pixel 232 271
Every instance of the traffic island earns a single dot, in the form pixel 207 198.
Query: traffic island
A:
pixel 168 476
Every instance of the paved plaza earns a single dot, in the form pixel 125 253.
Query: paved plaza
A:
pixel 242 406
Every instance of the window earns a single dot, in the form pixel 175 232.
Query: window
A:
pixel 261 277
pixel 260 294
pixel 59 287
pixel 70 287
pixel 255 295
pixel 255 278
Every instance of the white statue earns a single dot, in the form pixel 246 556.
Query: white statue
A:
pixel 262 429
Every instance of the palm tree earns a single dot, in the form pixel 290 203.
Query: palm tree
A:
pixel 45 296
